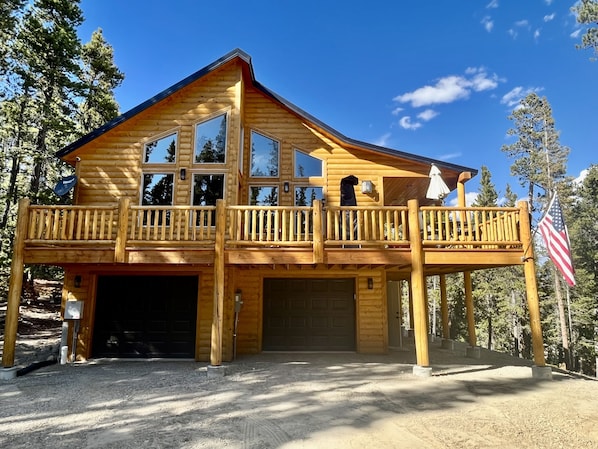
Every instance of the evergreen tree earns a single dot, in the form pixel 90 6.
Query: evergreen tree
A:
pixel 584 298
pixel 587 13
pixel 99 78
pixel 47 51
pixel 539 158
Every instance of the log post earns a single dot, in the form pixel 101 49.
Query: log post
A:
pixel 469 309
pixel 121 231
pixel 444 309
pixel 218 311
pixel 418 287
pixel 531 284
pixel 318 230
pixel 15 285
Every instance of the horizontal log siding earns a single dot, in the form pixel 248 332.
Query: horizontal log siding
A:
pixel 111 165
pixel 372 327
pixel 82 293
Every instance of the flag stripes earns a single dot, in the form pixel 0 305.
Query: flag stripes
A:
pixel 554 232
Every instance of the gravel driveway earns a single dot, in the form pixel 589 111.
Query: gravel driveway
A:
pixel 339 400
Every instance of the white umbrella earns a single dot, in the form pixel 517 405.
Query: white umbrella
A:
pixel 437 189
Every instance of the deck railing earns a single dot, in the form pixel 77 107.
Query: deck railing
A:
pixel 273 226
pixel 71 224
pixel 485 227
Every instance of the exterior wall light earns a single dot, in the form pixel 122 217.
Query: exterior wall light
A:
pixel 183 174
pixel 286 187
pixel 367 187
pixel 77 281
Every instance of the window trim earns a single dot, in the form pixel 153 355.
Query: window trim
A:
pixel 160 136
pixel 267 136
pixel 304 178
pixel 250 186
pixel 207 118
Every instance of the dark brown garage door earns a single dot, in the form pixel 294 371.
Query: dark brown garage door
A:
pixel 145 316
pixel 309 315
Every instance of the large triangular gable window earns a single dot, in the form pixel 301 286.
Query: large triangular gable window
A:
pixel 210 141
pixel 307 166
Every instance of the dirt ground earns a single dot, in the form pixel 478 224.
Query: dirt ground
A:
pixel 300 400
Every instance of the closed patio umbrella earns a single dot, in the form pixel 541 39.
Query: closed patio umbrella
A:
pixel 437 189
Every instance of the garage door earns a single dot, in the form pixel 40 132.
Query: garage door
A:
pixel 145 316
pixel 309 315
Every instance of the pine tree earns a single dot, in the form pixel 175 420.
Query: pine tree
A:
pixel 587 13
pixel 99 78
pixel 539 158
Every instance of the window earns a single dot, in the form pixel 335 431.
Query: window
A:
pixel 305 195
pixel 157 189
pixel 161 151
pixel 264 156
pixel 207 188
pixel 263 196
pixel 306 165
pixel 210 141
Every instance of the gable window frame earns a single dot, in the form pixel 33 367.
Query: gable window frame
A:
pixel 155 139
pixel 297 151
pixel 196 138
pixel 260 174
pixel 275 191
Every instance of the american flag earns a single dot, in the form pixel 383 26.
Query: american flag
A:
pixel 553 230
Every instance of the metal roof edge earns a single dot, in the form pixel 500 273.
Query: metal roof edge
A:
pixel 355 142
pixel 155 99
pixel 238 53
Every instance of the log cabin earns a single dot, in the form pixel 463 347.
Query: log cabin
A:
pixel 217 218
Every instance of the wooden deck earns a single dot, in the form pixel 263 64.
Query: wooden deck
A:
pixel 452 238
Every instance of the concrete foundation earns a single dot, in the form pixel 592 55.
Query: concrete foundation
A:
pixel 447 344
pixel 422 371
pixel 542 372
pixel 473 352
pixel 216 372
pixel 8 373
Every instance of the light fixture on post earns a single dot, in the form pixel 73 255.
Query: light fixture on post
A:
pixel 183 174
pixel 367 187
pixel 286 187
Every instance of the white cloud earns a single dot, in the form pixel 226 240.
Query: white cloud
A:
pixel 582 175
pixel 513 97
pixel 470 198
pixel 396 111
pixel 512 33
pixel 550 17
pixel 406 123
pixel 492 5
pixel 537 34
pixel 522 23
pixel 488 23
pixel 548 2
pixel 382 141
pixel 427 115
pixel 449 156
pixel 450 88
pixel 575 34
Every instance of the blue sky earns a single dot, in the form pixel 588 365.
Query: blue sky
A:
pixel 436 78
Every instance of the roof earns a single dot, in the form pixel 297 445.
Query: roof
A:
pixel 238 53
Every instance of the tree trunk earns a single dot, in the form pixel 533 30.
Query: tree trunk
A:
pixel 11 193
pixel 562 318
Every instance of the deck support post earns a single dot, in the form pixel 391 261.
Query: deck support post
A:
pixel 444 308
pixel 121 232
pixel 317 235
pixel 15 286
pixel 469 309
pixel 218 311
pixel 418 288
pixel 531 285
